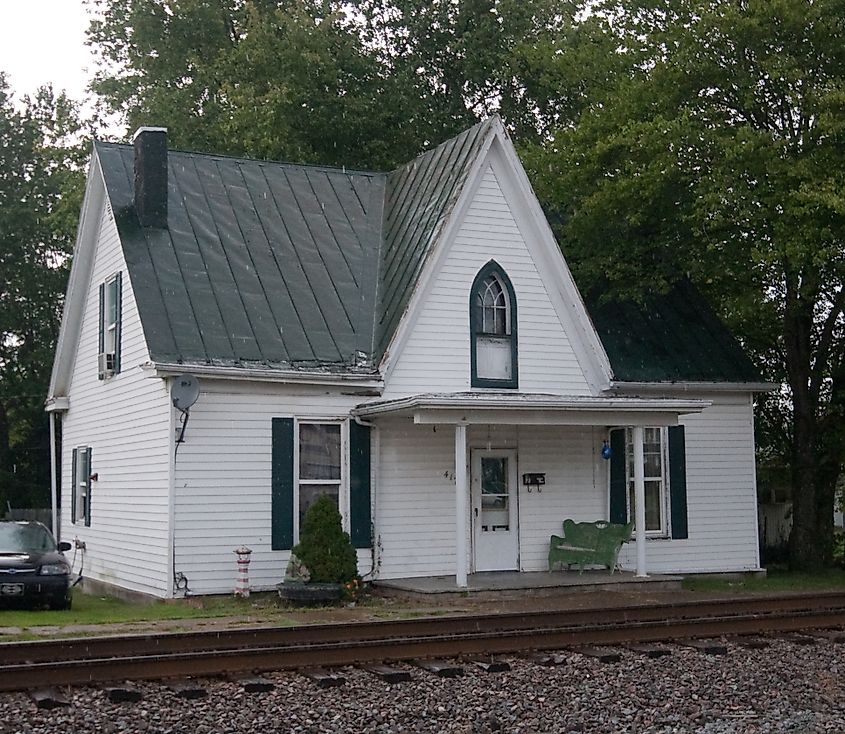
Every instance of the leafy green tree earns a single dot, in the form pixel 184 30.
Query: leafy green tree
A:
pixel 366 83
pixel 40 193
pixel 708 140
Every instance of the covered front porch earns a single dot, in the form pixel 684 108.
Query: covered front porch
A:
pixel 518 463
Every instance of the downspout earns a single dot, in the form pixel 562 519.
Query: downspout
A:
pixel 54 500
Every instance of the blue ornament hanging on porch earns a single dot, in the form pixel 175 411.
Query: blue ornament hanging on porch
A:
pixel 606 451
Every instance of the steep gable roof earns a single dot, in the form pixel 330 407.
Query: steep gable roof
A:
pixel 420 196
pixel 285 266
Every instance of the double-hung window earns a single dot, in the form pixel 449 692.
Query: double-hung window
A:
pixel 664 475
pixel 80 498
pixel 320 466
pixel 110 326
pixel 311 457
pixel 654 463
pixel 493 353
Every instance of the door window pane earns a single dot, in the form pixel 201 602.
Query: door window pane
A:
pixel 495 514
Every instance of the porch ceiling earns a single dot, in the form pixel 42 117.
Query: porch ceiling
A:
pixel 532 409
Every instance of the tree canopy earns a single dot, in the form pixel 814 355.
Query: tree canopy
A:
pixel 39 202
pixel 710 143
pixel 364 84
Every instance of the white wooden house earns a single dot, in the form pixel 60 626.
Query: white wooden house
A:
pixel 411 343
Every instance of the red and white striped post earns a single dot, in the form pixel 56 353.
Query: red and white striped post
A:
pixel 242 581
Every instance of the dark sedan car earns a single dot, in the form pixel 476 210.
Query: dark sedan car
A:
pixel 32 567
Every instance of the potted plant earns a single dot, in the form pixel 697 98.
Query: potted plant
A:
pixel 323 565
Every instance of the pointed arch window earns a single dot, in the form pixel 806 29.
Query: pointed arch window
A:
pixel 493 329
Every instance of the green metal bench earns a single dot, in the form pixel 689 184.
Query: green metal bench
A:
pixel 588 544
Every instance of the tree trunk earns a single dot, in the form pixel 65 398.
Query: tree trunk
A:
pixel 811 539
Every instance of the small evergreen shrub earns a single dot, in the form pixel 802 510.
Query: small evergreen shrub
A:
pixel 323 547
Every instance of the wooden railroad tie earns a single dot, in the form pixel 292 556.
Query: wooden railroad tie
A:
pixel 649 650
pixel 837 636
pixel 441 668
pixel 388 673
pixel 125 693
pixel 324 678
pixel 798 639
pixel 750 642
pixel 711 647
pixel 546 659
pixel 187 689
pixel 490 664
pixel 49 698
pixel 601 654
pixel 254 684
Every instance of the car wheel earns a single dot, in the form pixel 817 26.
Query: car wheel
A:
pixel 61 604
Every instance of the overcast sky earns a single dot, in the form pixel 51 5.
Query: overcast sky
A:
pixel 44 41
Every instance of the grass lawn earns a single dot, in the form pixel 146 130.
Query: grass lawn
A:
pixel 88 609
pixel 776 580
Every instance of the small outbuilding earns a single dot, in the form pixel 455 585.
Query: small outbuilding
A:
pixel 410 343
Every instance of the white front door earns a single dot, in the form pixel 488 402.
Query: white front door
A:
pixel 495 515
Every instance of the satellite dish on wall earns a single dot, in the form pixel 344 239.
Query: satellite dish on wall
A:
pixel 184 392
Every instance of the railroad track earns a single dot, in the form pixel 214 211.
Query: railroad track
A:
pixel 28 665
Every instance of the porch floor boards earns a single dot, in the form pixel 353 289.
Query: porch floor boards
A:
pixel 543 583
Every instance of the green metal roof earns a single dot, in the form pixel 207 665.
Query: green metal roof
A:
pixel 420 196
pixel 261 264
pixel 278 265
pixel 669 338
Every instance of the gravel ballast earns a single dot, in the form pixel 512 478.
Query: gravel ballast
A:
pixel 786 687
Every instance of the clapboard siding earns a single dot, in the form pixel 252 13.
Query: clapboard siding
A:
pixel 415 513
pixel 721 494
pixel 125 420
pixel 415 500
pixel 222 487
pixel 436 356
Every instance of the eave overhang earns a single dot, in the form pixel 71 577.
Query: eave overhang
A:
pixel 326 378
pixel 531 409
pixel 620 386
pixel 57 404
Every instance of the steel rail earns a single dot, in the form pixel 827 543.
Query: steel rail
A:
pixel 256 637
pixel 211 662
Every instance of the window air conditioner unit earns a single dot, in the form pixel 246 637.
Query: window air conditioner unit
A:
pixel 106 364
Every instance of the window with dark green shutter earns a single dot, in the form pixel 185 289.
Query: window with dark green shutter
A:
pixel 309 462
pixel 664 476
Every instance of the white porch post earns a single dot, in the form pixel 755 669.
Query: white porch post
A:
pixel 54 504
pixel 461 503
pixel 639 499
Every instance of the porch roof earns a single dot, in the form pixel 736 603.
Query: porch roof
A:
pixel 466 408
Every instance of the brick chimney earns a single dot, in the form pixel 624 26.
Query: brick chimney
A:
pixel 150 145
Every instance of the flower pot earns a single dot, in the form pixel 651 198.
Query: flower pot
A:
pixel 298 592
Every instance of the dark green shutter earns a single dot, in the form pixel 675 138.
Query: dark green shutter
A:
pixel 282 484
pixel 678 481
pixel 359 485
pixel 88 488
pixel 102 348
pixel 118 306
pixel 74 456
pixel 618 480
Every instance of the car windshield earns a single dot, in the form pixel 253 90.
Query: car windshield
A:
pixel 16 538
